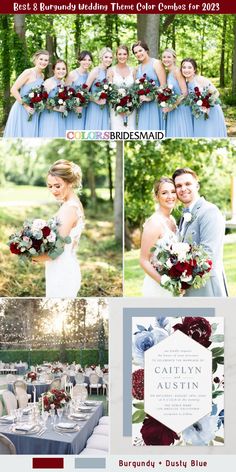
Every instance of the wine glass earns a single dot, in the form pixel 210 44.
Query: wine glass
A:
pixel 60 413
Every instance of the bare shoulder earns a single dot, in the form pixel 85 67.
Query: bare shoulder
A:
pixel 152 223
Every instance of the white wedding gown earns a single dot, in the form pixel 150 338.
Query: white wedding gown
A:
pixel 117 122
pixel 63 277
pixel 151 288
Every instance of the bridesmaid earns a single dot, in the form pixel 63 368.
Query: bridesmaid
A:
pixel 18 125
pixel 78 77
pixel 179 120
pixel 149 114
pixel 52 124
pixel 122 75
pixel 214 126
pixel 97 118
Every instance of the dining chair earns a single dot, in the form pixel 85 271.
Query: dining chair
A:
pixel 22 398
pixel 105 381
pixel 9 400
pixel 56 383
pixel 20 386
pixel 10 378
pixel 93 382
pixel 6 446
pixel 80 379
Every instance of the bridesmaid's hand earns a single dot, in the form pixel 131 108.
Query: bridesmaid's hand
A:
pixel 144 98
pixel 41 258
pixel 61 108
pixel 29 110
pixel 101 101
pixel 79 109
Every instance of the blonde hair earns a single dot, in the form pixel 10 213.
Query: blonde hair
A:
pixel 103 51
pixel 67 171
pixel 158 184
pixel 172 51
pixel 38 53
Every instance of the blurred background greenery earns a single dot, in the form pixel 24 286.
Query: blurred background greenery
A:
pixel 23 194
pixel 213 160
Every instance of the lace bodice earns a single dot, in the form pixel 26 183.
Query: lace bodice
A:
pixel 76 231
pixel 168 234
pixel 122 81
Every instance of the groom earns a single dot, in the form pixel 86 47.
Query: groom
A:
pixel 202 223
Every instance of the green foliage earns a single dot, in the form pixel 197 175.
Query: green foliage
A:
pixel 212 160
pixel 84 357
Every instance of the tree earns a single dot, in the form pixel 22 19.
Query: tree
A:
pixel 148 29
pixel 234 61
pixel 222 58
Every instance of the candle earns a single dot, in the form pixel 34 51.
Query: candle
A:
pixel 42 403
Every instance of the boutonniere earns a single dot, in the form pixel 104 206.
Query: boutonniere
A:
pixel 188 217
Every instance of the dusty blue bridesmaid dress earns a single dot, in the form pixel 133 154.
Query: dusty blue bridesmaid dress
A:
pixel 72 120
pixel 52 124
pixel 97 118
pixel 17 125
pixel 214 126
pixel 179 122
pixel 149 114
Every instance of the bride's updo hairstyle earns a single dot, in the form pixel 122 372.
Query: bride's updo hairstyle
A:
pixel 68 171
pixel 159 183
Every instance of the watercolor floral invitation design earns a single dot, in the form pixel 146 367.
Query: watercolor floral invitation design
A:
pixel 177 381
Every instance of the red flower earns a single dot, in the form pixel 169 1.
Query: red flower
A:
pixel 148 90
pixel 84 86
pixel 46 231
pixel 141 92
pixel 155 433
pixel 36 99
pixel 124 101
pixel 180 267
pixel 197 328
pixel 138 384
pixel 45 95
pixel 103 95
pixel 97 84
pixel 14 248
pixel 36 244
pixel 205 103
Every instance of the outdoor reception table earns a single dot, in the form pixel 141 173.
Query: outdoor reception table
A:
pixel 41 387
pixel 52 442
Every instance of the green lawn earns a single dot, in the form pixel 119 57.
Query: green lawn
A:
pixel 99 255
pixel 133 274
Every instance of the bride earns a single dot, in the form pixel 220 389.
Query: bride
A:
pixel 122 75
pixel 160 227
pixel 63 276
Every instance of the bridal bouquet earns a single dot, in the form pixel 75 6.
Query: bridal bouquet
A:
pixel 121 100
pixel 181 266
pixel 80 98
pixel 166 97
pixel 36 99
pixel 54 399
pixel 144 87
pixel 102 91
pixel 201 101
pixel 38 237
pixel 63 98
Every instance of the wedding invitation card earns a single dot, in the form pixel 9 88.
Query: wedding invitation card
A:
pixel 177 381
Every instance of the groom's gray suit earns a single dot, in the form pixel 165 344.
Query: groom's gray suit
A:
pixel 207 227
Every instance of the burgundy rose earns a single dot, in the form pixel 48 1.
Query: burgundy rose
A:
pixel 14 248
pixel 103 95
pixel 178 269
pixel 46 231
pixel 205 103
pixel 84 86
pixel 36 244
pixel 197 328
pixel 140 92
pixel 44 95
pixel 138 384
pixel 97 84
pixel 155 433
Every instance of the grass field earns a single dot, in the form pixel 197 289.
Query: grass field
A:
pixel 99 255
pixel 133 274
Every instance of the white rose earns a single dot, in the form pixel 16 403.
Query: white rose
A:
pixel 105 87
pixel 163 104
pixel 187 217
pixel 137 81
pixel 141 87
pixel 199 103
pixel 31 94
pixel 60 101
pixel 119 109
pixel 38 224
pixel 51 237
pixel 60 90
pixel 122 91
pixel 165 279
pixel 169 263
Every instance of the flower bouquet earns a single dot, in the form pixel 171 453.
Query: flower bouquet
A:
pixel 38 237
pixel 56 370
pixel 54 399
pixel 201 101
pixel 63 98
pixel 32 376
pixel 121 100
pixel 102 91
pixel 181 266
pixel 80 99
pixel 143 87
pixel 166 97
pixel 36 99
